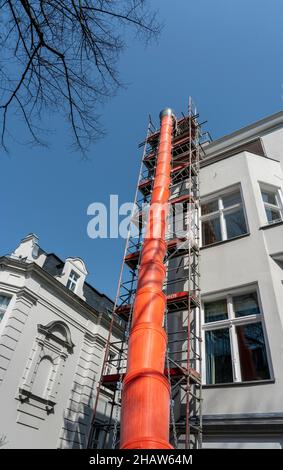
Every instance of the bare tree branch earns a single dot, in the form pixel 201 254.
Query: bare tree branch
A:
pixel 62 56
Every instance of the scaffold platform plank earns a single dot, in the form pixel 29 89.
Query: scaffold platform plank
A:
pixel 110 381
pixel 176 301
pixel 181 244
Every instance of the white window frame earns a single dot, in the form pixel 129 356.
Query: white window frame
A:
pixel 221 212
pixel 278 207
pixel 231 323
pixel 73 280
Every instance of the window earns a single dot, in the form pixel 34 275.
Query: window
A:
pixel 223 217
pixel 218 356
pixel 45 366
pixel 4 302
pixel 234 340
pixel 72 281
pixel 96 438
pixel 273 205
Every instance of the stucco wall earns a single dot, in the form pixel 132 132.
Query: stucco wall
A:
pixel 34 302
pixel 240 262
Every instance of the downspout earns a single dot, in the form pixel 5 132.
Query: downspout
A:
pixel 145 415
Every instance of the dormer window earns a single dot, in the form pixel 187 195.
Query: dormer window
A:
pixel 72 281
pixel 73 276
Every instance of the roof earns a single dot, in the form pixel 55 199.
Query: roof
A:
pixel 243 136
pixel 99 301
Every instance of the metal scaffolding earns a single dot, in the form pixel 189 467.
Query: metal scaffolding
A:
pixel 182 290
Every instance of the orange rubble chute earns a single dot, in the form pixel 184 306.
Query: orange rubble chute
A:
pixel 145 413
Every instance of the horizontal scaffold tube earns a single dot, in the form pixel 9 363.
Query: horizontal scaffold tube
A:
pixel 145 415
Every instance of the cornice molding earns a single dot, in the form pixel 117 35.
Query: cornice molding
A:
pixel 244 135
pixel 65 294
pixel 27 295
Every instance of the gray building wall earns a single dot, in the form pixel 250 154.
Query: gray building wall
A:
pixel 235 415
pixel 243 414
pixel 51 351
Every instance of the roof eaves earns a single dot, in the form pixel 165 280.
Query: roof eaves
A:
pixel 244 135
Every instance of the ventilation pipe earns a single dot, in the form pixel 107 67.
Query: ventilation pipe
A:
pixel 145 412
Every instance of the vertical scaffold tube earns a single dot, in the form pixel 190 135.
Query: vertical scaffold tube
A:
pixel 145 411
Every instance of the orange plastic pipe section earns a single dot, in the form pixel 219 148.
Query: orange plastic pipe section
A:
pixel 145 416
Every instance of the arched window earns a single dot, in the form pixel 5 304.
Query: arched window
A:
pixel 59 330
pixel 41 385
pixel 46 364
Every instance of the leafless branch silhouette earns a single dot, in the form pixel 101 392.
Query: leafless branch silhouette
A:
pixel 61 56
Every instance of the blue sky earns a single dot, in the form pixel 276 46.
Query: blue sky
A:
pixel 226 54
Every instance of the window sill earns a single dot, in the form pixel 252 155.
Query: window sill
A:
pixel 239 384
pixel 222 242
pixel 270 225
pixel 25 396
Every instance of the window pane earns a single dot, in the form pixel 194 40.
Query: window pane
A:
pixel 246 304
pixel 4 302
pixel 231 199
pixel 71 285
pixel 235 224
pixel 253 357
pixel 211 231
pixel 272 214
pixel 215 311
pixel 209 207
pixel 218 356
pixel 73 276
pixel 72 281
pixel 269 197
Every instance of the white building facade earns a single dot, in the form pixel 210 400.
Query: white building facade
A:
pixel 53 331
pixel 241 283
pixel 54 325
